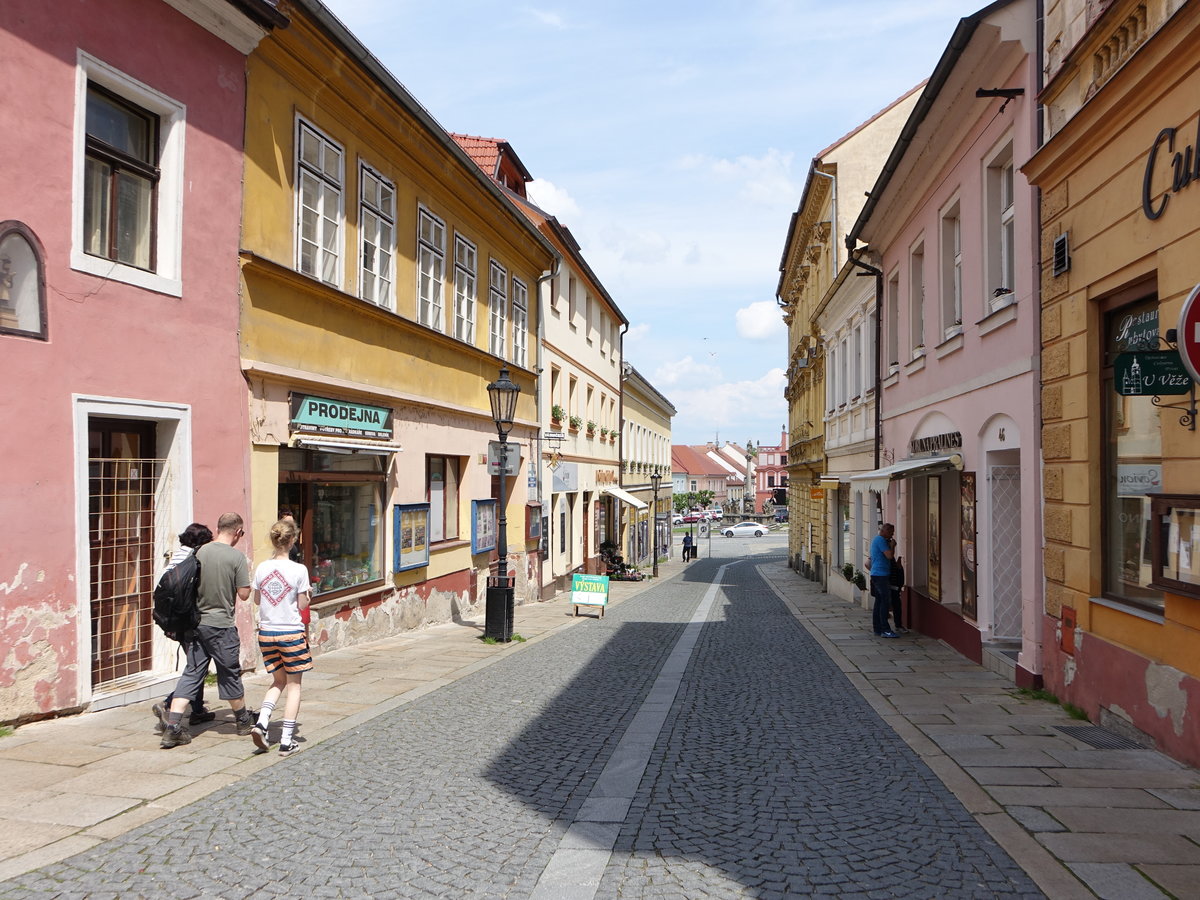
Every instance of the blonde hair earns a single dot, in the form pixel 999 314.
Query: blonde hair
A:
pixel 283 534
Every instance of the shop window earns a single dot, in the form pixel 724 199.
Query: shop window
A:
pixel 442 480
pixel 339 501
pixel 1176 543
pixel 1132 463
pixel 22 282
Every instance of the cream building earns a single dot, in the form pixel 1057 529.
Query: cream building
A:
pixel 646 453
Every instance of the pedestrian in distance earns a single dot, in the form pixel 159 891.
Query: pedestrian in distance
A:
pixel 883 551
pixel 896 582
pixel 224 579
pixel 687 546
pixel 191 539
pixel 282 592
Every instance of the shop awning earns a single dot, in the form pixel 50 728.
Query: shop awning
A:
pixel 625 497
pixel 833 479
pixel 347 445
pixel 879 480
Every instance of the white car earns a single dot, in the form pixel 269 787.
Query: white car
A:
pixel 677 519
pixel 745 529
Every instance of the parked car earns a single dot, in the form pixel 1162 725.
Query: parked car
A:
pixel 677 519
pixel 716 513
pixel 781 515
pixel 694 516
pixel 745 529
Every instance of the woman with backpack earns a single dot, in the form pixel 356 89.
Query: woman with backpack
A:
pixel 282 592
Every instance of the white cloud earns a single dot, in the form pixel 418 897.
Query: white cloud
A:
pixel 637 333
pixel 736 410
pixel 553 199
pixel 760 179
pixel 547 17
pixel 685 372
pixel 759 321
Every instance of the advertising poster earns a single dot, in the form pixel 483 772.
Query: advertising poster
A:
pixel 411 529
pixel 589 590
pixel 933 538
pixel 483 525
pixel 969 583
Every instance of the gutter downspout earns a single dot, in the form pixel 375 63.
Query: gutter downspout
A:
pixel 878 273
pixel 833 237
pixel 541 337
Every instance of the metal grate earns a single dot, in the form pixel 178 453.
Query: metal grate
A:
pixel 1006 551
pixel 1099 738
pixel 127 498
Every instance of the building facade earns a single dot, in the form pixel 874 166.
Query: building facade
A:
pixel 118 248
pixel 646 440
pixel 386 282
pixel 1120 233
pixel 951 224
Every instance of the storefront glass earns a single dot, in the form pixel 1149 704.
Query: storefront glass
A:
pixel 1132 462
pixel 337 498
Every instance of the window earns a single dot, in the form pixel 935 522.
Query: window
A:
pixel 892 320
pixel 589 321
pixel 952 286
pixel 465 274
pixel 319 206
pixel 377 227
pixel 858 362
pixel 128 180
pixel 999 195
pixel 497 307
pixel 22 282
pixel 520 323
pixel 916 299
pixel 442 481
pixel 1132 462
pixel 431 269
pixel 572 299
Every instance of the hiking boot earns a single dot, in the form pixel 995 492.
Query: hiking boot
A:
pixel 201 715
pixel 160 715
pixel 245 724
pixel 174 735
pixel 261 741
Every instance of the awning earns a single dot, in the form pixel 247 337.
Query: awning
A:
pixel 625 496
pixel 347 445
pixel 879 480
pixel 835 478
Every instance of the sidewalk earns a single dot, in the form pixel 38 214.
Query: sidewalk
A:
pixel 1118 819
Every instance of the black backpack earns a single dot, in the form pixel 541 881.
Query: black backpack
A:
pixel 175 608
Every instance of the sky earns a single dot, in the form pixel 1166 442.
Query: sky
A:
pixel 674 140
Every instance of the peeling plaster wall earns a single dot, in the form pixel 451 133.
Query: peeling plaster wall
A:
pixel 37 645
pixel 1157 700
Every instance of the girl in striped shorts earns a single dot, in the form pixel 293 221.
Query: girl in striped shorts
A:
pixel 282 592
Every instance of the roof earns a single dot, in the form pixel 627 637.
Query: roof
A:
pixel 490 154
pixel 686 459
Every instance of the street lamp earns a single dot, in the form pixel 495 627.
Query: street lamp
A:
pixel 498 615
pixel 655 479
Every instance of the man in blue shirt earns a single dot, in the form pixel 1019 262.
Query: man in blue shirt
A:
pixel 883 551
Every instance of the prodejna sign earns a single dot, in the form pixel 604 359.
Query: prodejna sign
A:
pixel 322 415
pixel 1183 166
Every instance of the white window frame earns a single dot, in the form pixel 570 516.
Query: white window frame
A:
pixel 333 188
pixel 892 314
pixel 371 236
pixel 916 297
pixel 520 322
pixel 431 253
pixel 1000 224
pixel 952 259
pixel 466 288
pixel 167 277
pixel 497 308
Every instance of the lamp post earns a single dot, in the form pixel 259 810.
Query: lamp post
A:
pixel 498 615
pixel 655 479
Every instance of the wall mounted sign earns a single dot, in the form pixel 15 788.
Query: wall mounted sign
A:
pixel 410 525
pixel 566 477
pixel 322 415
pixel 1183 167
pixel 512 459
pixel 935 443
pixel 1150 373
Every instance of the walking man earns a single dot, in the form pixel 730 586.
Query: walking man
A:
pixel 687 546
pixel 883 551
pixel 224 579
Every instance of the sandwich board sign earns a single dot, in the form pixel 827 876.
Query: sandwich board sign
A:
pixel 589 590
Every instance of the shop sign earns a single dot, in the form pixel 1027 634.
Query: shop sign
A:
pixel 935 443
pixel 816 493
pixel 565 478
pixel 1188 333
pixel 1136 331
pixel 321 415
pixel 1150 373
pixel 589 590
pixel 1184 168
pixel 1138 480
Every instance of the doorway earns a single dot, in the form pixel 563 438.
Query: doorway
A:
pixel 1005 529
pixel 128 493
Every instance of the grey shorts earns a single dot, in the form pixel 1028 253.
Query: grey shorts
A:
pixel 222 646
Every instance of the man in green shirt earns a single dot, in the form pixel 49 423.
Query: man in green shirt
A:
pixel 224 579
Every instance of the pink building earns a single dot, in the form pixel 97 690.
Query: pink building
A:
pixel 770 474
pixel 125 408
pixel 950 230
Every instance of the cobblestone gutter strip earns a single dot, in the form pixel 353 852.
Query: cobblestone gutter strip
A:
pixel 1047 872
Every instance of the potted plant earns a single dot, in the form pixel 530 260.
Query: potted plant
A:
pixel 848 572
pixel 576 421
pixel 603 431
pixel 591 429
pixel 556 414
pixel 860 580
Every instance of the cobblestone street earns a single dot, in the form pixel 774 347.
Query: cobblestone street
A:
pixel 630 756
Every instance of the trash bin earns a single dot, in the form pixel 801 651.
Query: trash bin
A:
pixel 498 612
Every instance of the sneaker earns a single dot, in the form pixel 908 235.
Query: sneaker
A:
pixel 286 749
pixel 174 735
pixel 259 734
pixel 202 715
pixel 160 715
pixel 889 634
pixel 245 724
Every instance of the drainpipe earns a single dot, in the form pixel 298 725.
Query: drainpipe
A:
pixel 544 278
pixel 878 273
pixel 833 235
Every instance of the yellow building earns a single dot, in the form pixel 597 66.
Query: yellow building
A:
pixel 1120 212
pixel 646 460
pixel 386 280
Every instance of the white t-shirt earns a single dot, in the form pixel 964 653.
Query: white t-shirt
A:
pixel 279 583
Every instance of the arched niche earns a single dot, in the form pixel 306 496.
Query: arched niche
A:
pixel 22 282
